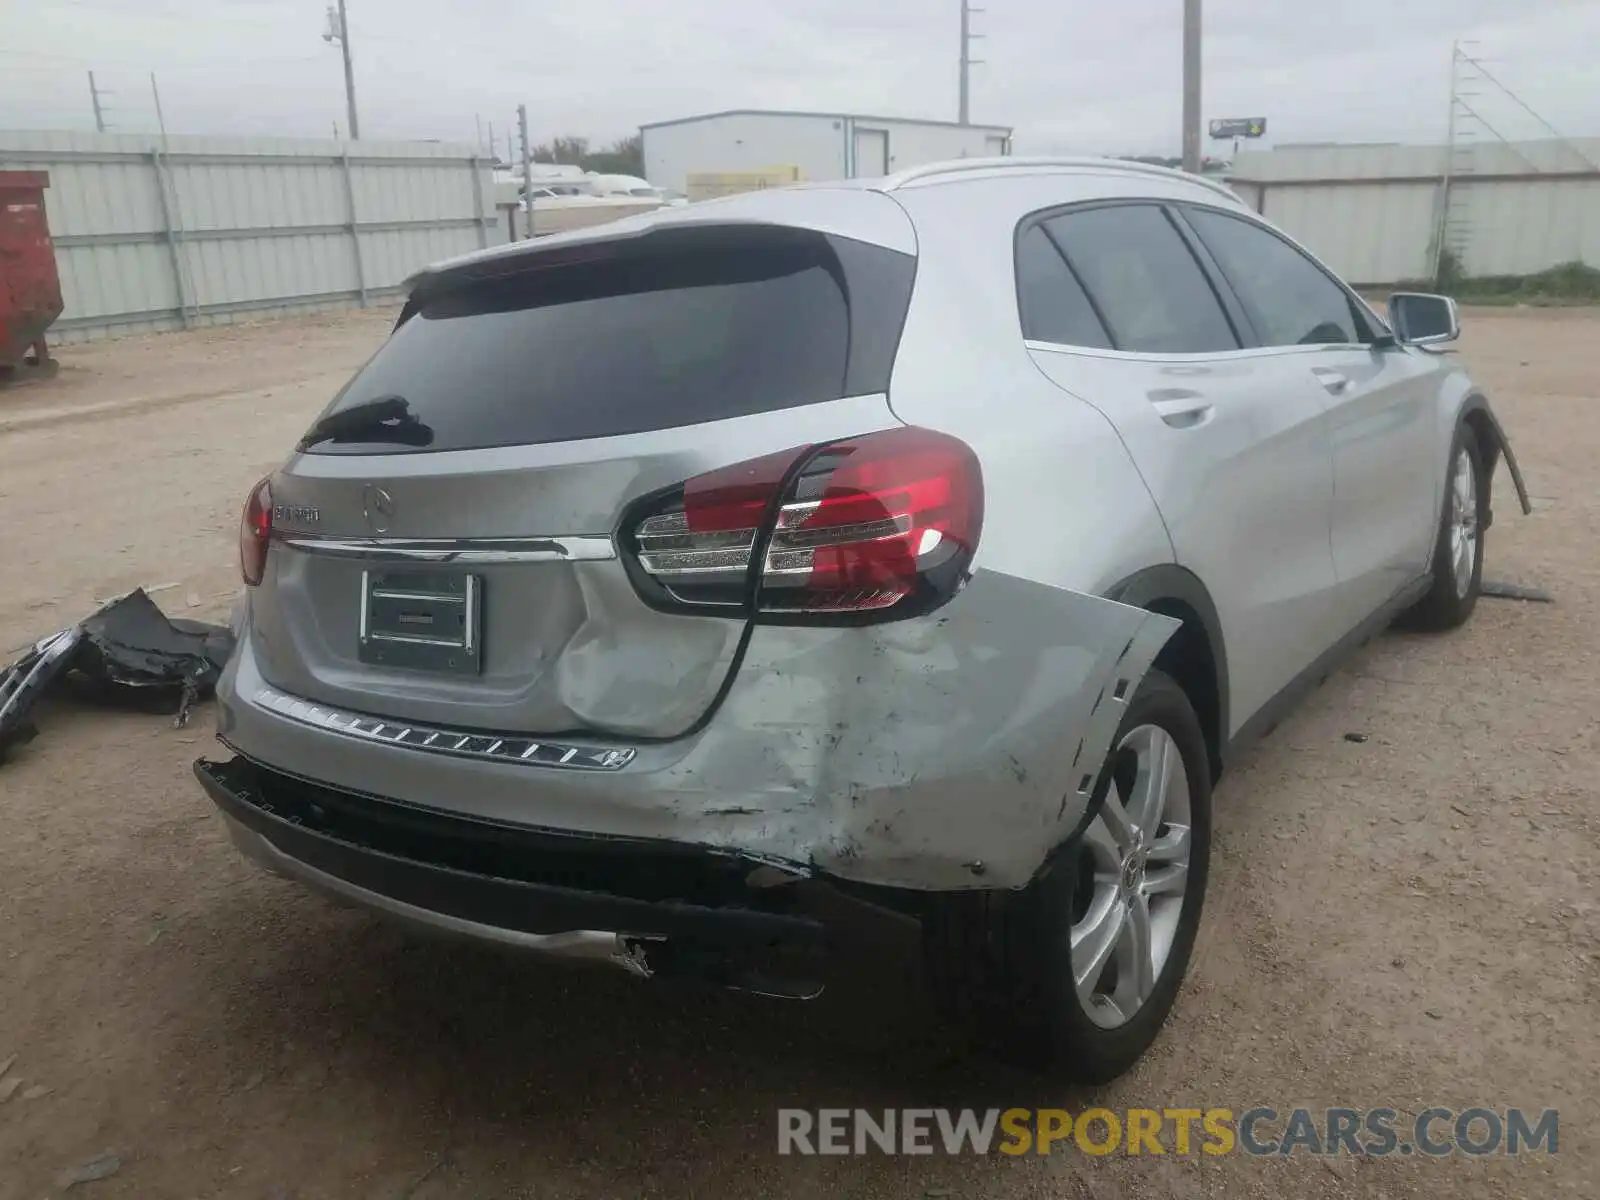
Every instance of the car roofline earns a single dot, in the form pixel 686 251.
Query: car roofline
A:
pixel 956 169
pixel 928 174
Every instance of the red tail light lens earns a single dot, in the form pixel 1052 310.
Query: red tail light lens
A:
pixel 873 527
pixel 697 545
pixel 874 522
pixel 255 532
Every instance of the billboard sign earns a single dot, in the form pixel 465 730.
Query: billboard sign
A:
pixel 1238 127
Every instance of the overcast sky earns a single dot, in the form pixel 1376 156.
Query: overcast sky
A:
pixel 1069 75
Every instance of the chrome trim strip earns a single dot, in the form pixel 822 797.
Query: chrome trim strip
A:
pixel 417 639
pixel 620 950
pixel 510 750
pixel 455 550
pixel 435 597
pixel 48 650
pixel 1201 359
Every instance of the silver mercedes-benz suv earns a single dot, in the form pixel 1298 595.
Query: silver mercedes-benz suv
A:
pixel 930 542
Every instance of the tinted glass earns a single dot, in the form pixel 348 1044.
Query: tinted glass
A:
pixel 1291 301
pixel 1053 304
pixel 1150 289
pixel 624 338
pixel 1144 280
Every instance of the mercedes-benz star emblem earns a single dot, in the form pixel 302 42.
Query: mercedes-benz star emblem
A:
pixel 378 507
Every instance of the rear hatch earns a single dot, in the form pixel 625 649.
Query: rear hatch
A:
pixel 449 544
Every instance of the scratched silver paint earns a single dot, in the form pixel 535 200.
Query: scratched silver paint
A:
pixel 949 751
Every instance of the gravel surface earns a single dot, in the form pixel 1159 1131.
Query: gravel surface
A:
pixel 1406 920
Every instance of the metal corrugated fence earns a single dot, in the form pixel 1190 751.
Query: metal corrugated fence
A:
pixel 1381 214
pixel 155 234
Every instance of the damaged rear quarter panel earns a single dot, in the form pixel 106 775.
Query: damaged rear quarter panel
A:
pixel 951 751
pixel 938 753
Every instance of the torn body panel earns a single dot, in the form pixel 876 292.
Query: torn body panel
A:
pixel 952 751
pixel 129 651
pixel 946 752
pixel 1501 445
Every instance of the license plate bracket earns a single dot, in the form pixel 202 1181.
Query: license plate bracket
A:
pixel 422 620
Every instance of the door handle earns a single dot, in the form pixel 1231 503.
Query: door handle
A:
pixel 1332 380
pixel 1180 408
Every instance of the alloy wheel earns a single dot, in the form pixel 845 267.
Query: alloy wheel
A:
pixel 1463 521
pixel 1133 877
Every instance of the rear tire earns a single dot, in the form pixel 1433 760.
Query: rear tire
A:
pixel 1050 977
pixel 1458 546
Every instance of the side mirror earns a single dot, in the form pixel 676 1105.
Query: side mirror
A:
pixel 1422 320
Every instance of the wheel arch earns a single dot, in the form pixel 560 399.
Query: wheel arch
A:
pixel 1493 444
pixel 1196 655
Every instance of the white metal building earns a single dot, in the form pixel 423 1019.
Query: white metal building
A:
pixel 822 145
pixel 1375 212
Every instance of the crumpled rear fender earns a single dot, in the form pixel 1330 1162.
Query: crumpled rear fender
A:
pixel 952 751
pixel 1499 445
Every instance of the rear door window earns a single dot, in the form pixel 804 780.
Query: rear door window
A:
pixel 1290 300
pixel 627 337
pixel 1053 304
pixel 1145 282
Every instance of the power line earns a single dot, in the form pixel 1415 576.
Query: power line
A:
pixel 1527 108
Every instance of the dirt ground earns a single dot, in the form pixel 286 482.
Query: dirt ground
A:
pixel 1406 921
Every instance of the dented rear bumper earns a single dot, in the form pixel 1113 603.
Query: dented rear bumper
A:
pixel 951 751
pixel 650 908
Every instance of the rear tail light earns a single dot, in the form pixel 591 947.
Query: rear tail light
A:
pixel 870 528
pixel 255 532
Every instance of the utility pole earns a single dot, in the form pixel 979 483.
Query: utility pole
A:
pixel 99 109
pixel 339 31
pixel 527 169
pixel 1191 86
pixel 964 107
pixel 1441 229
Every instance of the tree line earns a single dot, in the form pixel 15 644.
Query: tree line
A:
pixel 625 156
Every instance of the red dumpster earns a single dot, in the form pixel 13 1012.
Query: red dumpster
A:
pixel 30 289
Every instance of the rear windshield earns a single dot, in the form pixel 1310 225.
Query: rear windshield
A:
pixel 673 328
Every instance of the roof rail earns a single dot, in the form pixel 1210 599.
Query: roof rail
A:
pixel 962 166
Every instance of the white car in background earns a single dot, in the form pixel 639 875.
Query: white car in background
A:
pixel 634 188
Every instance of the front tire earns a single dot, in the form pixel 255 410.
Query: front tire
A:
pixel 1458 550
pixel 1076 974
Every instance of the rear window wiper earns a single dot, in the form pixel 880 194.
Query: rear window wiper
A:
pixel 381 419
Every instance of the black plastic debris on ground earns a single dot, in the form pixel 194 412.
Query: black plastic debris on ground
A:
pixel 128 654
pixel 1503 590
